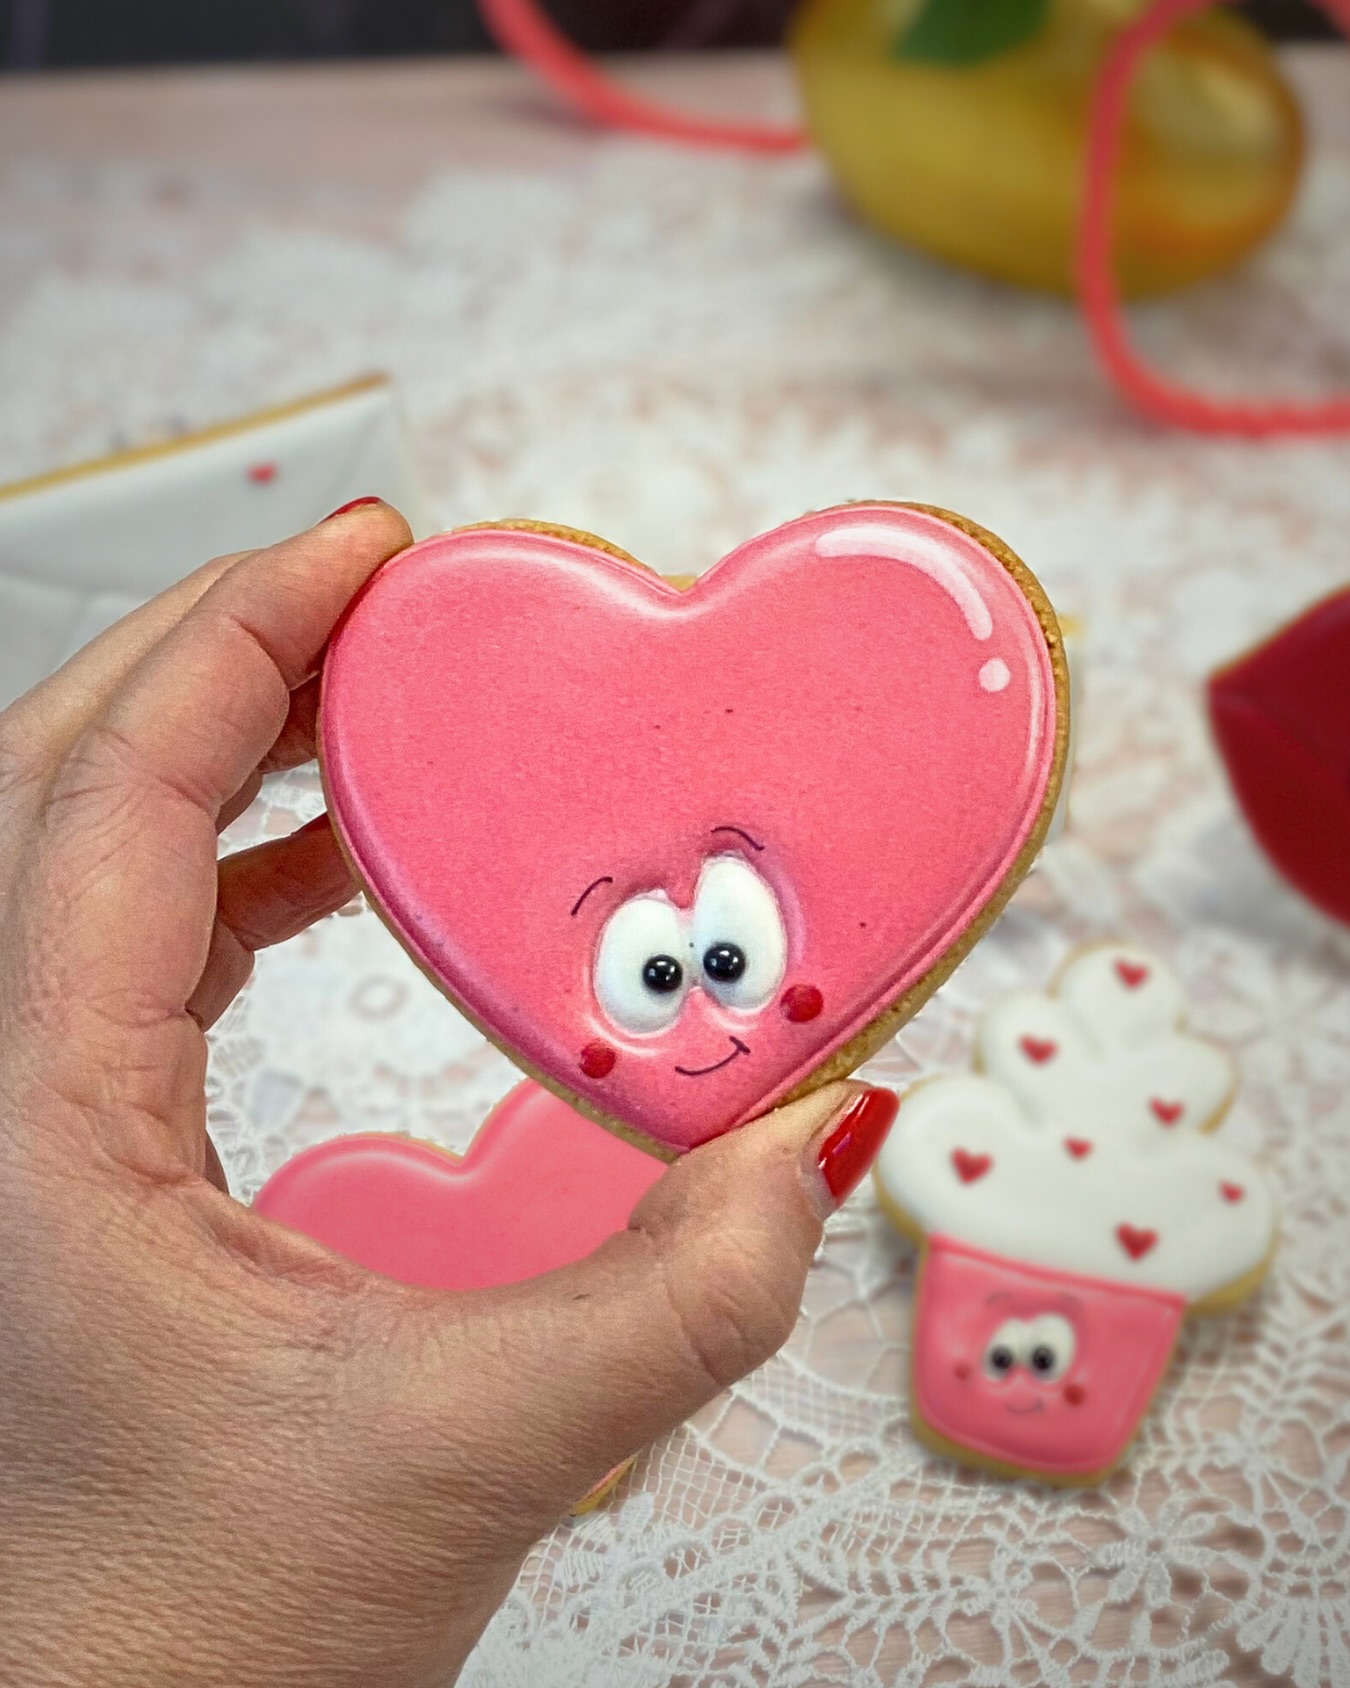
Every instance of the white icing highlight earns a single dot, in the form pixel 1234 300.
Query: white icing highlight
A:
pixel 1104 1053
pixel 937 558
pixel 1187 1214
pixel 994 676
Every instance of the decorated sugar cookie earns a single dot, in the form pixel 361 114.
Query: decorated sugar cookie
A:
pixel 1106 1051
pixel 683 853
pixel 1059 1259
pixel 540 1187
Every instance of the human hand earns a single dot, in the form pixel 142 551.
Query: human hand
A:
pixel 228 1456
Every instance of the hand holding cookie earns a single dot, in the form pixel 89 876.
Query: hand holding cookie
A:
pixel 231 1455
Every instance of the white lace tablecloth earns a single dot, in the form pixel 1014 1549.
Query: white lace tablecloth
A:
pixel 677 351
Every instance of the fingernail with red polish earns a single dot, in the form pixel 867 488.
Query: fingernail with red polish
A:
pixel 355 504
pixel 851 1145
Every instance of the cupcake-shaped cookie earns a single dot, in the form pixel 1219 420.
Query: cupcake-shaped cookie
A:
pixel 1059 1259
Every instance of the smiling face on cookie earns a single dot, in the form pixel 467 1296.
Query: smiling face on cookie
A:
pixel 698 980
pixel 1039 1370
pixel 674 849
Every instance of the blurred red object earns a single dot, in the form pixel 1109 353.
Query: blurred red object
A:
pixel 1281 715
pixel 521 28
pixel 1163 400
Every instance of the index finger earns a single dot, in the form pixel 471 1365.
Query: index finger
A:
pixel 123 883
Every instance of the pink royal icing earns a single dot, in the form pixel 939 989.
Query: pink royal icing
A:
pixel 540 1187
pixel 1040 1370
pixel 567 784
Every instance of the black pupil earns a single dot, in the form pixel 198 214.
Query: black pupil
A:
pixel 662 973
pixel 724 962
pixel 1001 1358
pixel 1042 1358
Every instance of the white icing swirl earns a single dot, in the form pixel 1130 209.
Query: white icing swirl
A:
pixel 1107 1049
pixel 1178 1211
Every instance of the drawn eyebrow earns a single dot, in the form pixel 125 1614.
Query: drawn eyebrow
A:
pixel 741 833
pixel 1071 1302
pixel 604 879
pixel 999 1295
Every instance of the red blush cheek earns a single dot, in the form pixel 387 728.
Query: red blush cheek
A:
pixel 1075 1394
pixel 962 1371
pixel 801 1002
pixel 597 1060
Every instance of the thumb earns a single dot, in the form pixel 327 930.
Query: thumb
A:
pixel 575 1371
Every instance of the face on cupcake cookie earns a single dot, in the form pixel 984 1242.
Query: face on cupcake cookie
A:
pixel 677 849
pixel 1033 1369
pixel 1107 1049
pixel 1058 1265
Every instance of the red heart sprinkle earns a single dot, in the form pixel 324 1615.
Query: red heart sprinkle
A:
pixel 969 1167
pixel 1168 1112
pixel 261 473
pixel 1132 975
pixel 1078 1147
pixel 1232 1192
pixel 1135 1242
pixel 1038 1049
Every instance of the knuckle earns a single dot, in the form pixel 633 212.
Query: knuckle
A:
pixel 96 769
pixel 732 1311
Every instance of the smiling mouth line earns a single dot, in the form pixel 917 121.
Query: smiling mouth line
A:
pixel 702 1072
pixel 1035 1407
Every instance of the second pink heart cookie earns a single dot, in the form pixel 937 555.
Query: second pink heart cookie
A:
pixel 683 853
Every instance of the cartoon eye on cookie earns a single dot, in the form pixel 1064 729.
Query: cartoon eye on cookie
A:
pixel 1042 1346
pixel 1059 1259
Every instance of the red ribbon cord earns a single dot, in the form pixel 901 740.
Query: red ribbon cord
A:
pixel 521 28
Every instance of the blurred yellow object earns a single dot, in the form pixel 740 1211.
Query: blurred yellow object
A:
pixel 979 158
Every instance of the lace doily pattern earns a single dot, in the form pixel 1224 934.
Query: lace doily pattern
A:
pixel 677 352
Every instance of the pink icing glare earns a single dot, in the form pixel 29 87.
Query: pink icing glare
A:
pixel 510 719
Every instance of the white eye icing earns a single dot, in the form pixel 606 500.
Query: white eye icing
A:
pixel 642 965
pixel 1050 1347
pixel 738 940
pixel 1007 1348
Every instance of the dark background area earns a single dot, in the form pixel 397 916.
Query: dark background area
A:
pixel 36 34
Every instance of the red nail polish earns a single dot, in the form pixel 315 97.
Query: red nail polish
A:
pixel 355 504
pixel 852 1146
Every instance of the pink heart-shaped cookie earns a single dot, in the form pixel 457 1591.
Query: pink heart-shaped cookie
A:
pixel 685 852
pixel 539 1188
